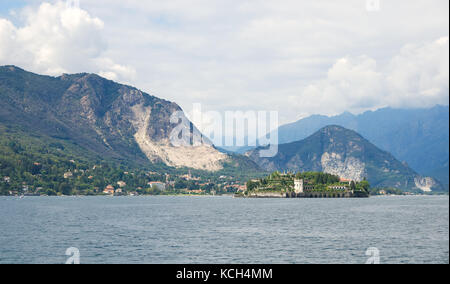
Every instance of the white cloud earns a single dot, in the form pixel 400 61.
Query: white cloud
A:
pixel 114 71
pixel 352 83
pixel 248 55
pixel 419 75
pixel 7 37
pixel 55 39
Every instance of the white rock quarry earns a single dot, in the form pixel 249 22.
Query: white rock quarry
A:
pixel 350 168
pixel 425 183
pixel 203 156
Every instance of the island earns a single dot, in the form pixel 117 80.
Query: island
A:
pixel 305 185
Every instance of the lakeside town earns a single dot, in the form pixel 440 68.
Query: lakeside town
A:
pixel 151 183
pixel 275 185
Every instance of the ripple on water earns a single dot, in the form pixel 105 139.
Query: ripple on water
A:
pixel 224 230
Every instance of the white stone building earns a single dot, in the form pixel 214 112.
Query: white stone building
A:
pixel 298 186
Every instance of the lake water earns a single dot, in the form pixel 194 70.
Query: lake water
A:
pixel 224 230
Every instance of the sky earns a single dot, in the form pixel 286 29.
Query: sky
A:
pixel 295 57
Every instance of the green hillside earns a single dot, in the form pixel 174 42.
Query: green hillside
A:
pixel 343 152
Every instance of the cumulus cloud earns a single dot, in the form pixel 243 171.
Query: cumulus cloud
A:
pixel 58 38
pixel 351 84
pixel 417 77
pixel 297 57
pixel 7 37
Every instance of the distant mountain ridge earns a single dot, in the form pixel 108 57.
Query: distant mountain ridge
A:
pixel 419 137
pixel 343 152
pixel 103 117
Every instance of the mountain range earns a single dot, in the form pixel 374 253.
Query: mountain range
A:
pixel 89 117
pixel 104 118
pixel 418 137
pixel 343 152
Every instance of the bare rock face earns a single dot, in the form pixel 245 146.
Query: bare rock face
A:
pixel 148 120
pixel 348 168
pixel 426 184
pixel 203 156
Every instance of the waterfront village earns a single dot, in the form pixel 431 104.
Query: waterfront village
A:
pixel 185 184
pixel 104 180
pixel 94 182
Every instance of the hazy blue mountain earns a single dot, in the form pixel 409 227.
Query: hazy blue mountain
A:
pixel 343 152
pixel 419 137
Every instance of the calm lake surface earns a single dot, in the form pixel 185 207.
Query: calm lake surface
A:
pixel 224 230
